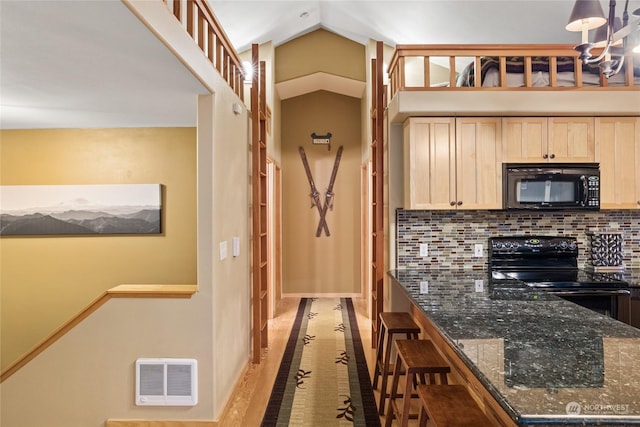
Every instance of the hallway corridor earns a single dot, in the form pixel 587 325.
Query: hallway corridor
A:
pixel 252 395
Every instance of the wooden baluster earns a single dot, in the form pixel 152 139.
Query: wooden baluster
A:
pixel 503 71
pixel 452 71
pixel 528 81
pixel 553 71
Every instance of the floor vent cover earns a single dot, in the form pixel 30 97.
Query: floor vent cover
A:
pixel 166 382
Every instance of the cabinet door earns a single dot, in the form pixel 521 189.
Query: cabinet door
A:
pixel 618 152
pixel 571 139
pixel 429 163
pixel 478 163
pixel 524 139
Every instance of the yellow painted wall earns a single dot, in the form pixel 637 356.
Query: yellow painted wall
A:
pixel 47 279
pixel 321 264
pixel 320 51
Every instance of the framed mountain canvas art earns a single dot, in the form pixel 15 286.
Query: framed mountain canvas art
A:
pixel 80 209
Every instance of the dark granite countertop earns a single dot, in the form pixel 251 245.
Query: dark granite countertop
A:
pixel 547 361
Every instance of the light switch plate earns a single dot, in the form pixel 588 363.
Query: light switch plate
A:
pixel 479 285
pixel 223 250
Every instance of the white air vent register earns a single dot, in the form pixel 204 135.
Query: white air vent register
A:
pixel 166 382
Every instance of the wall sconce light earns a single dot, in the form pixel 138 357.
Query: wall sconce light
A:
pixel 248 71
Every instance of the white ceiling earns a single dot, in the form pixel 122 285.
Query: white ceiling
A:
pixel 91 63
pixel 69 64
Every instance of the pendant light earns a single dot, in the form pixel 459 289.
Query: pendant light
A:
pixel 612 34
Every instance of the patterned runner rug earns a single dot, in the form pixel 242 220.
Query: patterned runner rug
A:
pixel 323 378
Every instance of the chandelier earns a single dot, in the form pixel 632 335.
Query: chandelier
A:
pixel 612 34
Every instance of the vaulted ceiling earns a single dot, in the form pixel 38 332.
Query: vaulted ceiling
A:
pixel 398 22
pixel 93 64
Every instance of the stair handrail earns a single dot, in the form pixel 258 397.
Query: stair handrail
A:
pixel 211 39
pixel 121 291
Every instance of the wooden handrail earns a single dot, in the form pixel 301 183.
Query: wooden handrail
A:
pixel 122 291
pixel 206 31
pixel 501 51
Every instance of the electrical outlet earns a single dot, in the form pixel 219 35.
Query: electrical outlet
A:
pixel 479 285
pixel 424 287
pixel 477 251
pixel 424 249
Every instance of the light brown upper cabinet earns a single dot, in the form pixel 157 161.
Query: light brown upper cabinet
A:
pixel 548 139
pixel 452 163
pixel 429 162
pixel 618 152
pixel 525 139
pixel 571 139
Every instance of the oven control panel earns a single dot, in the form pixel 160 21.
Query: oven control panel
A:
pixel 533 244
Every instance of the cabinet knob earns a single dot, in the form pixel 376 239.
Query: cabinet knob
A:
pixel 546 156
pixel 459 203
pixel 452 203
pixel 553 156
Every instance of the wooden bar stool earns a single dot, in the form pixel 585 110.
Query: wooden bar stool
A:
pixel 450 406
pixel 391 323
pixel 419 358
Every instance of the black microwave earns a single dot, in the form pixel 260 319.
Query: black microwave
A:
pixel 549 186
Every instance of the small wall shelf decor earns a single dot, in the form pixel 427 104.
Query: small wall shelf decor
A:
pixel 322 139
pixel 605 251
pixel 80 209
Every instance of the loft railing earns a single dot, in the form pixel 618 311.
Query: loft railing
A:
pixel 421 57
pixel 199 21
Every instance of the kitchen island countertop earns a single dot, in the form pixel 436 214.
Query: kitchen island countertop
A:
pixel 546 361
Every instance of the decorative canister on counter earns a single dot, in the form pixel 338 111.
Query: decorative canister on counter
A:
pixel 605 251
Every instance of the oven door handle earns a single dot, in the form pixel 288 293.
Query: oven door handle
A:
pixel 589 292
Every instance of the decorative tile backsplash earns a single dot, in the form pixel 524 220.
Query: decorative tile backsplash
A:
pixel 451 235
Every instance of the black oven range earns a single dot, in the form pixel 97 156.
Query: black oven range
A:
pixel 550 264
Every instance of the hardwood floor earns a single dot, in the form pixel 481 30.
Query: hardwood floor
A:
pixel 250 398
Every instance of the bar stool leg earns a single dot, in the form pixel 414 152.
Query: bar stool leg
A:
pixel 378 369
pixel 394 392
pixel 410 378
pixel 385 376
pixel 422 420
